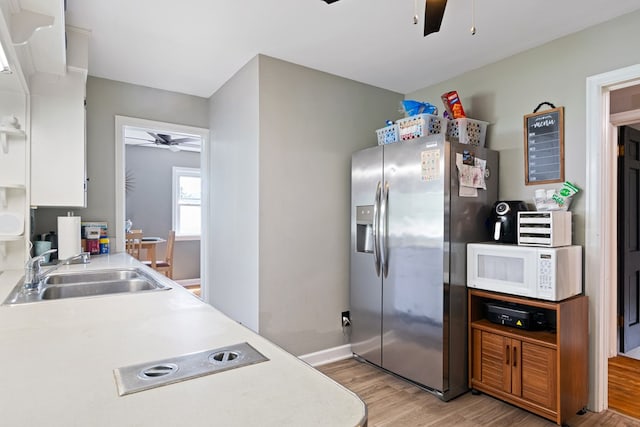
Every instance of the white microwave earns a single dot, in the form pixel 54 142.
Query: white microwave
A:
pixel 551 274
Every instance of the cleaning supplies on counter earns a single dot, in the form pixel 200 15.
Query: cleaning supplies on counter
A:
pixel 92 236
pixel 104 245
pixel 95 237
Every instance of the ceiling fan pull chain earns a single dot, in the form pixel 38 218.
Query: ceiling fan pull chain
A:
pixel 473 18
pixel 415 12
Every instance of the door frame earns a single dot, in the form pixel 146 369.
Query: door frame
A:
pixel 600 225
pixel 205 165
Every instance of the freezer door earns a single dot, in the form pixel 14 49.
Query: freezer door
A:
pixel 365 280
pixel 412 250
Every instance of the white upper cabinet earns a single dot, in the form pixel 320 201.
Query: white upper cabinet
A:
pixel 58 140
pixel 57 85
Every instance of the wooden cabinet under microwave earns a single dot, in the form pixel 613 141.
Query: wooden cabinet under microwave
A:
pixel 542 371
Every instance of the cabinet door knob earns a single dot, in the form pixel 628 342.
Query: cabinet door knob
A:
pixel 515 357
pixel 508 354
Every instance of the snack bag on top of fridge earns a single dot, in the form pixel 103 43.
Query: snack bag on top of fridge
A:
pixel 453 105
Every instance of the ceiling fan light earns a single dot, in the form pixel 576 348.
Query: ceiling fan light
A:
pixel 174 148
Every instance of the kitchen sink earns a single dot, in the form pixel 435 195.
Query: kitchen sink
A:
pixel 86 284
pixel 98 288
pixel 91 276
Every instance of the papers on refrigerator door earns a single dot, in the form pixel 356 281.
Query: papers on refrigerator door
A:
pixel 430 163
pixel 470 174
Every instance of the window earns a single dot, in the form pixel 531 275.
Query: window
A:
pixel 186 202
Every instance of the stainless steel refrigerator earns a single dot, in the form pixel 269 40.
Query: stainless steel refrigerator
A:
pixel 409 229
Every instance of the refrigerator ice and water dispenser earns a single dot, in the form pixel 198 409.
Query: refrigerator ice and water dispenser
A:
pixel 364 228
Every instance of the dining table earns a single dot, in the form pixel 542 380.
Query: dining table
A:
pixel 149 245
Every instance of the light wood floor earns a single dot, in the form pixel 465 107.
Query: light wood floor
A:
pixel 192 285
pixel 194 289
pixel 394 402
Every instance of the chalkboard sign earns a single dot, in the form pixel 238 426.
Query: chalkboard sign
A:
pixel 544 147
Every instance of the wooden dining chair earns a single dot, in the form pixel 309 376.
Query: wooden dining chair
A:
pixel 165 265
pixel 133 243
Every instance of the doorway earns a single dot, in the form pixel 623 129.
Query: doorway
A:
pixel 600 224
pixel 628 241
pixel 624 359
pixel 143 147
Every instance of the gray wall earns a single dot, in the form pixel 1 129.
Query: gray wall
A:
pixel 233 287
pixel 149 202
pixel 298 194
pixel 503 92
pixel 105 100
pixel 310 124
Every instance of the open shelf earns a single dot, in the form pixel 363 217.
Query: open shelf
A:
pixel 6 132
pixel 3 192
pixel 4 239
pixel 546 338
pixel 10 237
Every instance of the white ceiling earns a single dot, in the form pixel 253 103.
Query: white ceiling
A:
pixel 194 46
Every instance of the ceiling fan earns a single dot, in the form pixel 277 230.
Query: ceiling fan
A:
pixel 166 140
pixel 433 13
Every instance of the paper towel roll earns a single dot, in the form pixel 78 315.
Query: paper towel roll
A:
pixel 68 236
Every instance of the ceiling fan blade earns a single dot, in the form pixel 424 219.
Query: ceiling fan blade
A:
pixel 186 139
pixel 330 1
pixel 164 138
pixel 158 138
pixel 433 14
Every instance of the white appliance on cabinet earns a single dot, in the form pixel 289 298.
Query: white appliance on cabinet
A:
pixel 552 274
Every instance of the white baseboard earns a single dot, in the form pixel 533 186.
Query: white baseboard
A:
pixel 329 355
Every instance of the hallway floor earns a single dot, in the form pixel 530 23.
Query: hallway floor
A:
pixel 624 385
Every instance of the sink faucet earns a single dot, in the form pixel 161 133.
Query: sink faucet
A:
pixel 32 274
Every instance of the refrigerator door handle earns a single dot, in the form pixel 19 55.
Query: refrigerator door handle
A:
pixel 376 229
pixel 384 224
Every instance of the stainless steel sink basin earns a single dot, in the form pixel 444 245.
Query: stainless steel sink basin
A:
pixel 86 284
pixel 99 288
pixel 91 276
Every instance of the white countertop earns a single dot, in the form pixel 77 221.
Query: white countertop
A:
pixel 58 359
